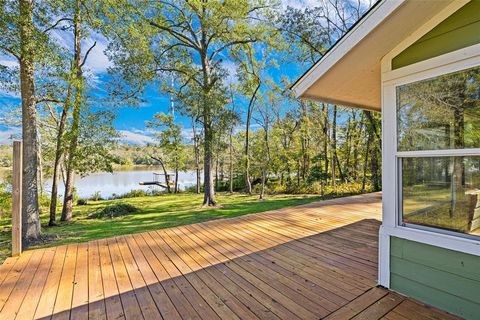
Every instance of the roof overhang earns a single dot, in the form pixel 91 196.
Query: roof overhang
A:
pixel 349 74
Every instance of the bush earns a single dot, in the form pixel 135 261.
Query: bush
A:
pixel 96 196
pixel 318 187
pixel 5 200
pixel 131 194
pixel 137 193
pixel 44 202
pixel 82 202
pixel 113 211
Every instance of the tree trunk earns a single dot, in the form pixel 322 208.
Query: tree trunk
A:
pixel 264 179
pixel 334 147
pixel 30 211
pixel 365 164
pixel 68 195
pixel 375 168
pixel 197 155
pixel 248 183
pixel 216 173
pixel 267 164
pixel 458 180
pixel 209 191
pixel 326 140
pixel 58 156
pixel 230 166
pixel 208 187
pixel 305 145
pixel 40 164
pixel 176 181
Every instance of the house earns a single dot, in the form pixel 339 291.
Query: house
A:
pixel 418 63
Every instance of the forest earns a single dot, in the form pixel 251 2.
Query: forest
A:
pixel 225 65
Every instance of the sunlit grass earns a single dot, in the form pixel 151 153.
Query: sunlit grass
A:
pixel 154 213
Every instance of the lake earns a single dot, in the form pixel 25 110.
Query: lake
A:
pixel 121 181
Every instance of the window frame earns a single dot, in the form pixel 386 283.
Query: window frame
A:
pixel 392 224
pixel 434 153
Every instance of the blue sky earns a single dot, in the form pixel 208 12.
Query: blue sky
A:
pixel 131 121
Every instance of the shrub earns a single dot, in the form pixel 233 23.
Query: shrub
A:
pixel 44 202
pixel 5 200
pixel 137 193
pixel 318 187
pixel 131 194
pixel 96 196
pixel 113 211
pixel 82 202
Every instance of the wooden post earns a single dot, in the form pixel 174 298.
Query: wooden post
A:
pixel 17 199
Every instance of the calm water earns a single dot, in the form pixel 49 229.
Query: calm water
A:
pixel 122 181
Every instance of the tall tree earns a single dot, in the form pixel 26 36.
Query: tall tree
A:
pixel 30 215
pixel 265 120
pixel 170 142
pixel 250 83
pixel 21 24
pixel 78 12
pixel 188 39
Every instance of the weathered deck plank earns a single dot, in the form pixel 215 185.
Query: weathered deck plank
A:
pixel 313 261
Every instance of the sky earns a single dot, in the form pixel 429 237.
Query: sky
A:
pixel 130 122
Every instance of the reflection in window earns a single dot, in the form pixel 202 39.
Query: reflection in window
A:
pixel 442 192
pixel 440 113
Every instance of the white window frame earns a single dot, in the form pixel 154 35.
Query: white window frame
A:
pixel 451 62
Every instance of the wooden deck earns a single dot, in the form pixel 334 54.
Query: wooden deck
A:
pixel 309 262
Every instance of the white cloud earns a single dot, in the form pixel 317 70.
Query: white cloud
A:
pixel 299 4
pixel 8 62
pixel 187 134
pixel 135 137
pixel 97 61
pixel 231 68
pixel 9 133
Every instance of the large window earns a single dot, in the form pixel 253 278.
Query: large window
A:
pixel 438 136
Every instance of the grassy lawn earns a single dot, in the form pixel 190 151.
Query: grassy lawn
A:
pixel 154 213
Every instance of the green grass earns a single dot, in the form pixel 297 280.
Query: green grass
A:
pixel 154 213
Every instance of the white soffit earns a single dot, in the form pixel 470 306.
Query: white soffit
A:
pixel 349 73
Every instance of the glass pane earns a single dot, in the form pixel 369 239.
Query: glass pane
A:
pixel 442 192
pixel 440 113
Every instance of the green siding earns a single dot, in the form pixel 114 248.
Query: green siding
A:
pixel 447 279
pixel 460 30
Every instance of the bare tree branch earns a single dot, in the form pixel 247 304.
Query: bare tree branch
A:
pixel 177 35
pixel 53 26
pixel 230 44
pixel 86 54
pixel 10 50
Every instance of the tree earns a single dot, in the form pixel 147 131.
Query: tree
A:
pixel 77 11
pixel 170 142
pixel 21 24
pixel 250 83
pixel 265 120
pixel 187 39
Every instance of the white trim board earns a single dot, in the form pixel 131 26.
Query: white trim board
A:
pixel 420 32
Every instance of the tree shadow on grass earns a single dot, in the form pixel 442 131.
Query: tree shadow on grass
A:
pixel 167 213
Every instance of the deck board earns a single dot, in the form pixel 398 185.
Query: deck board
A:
pixel 308 262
